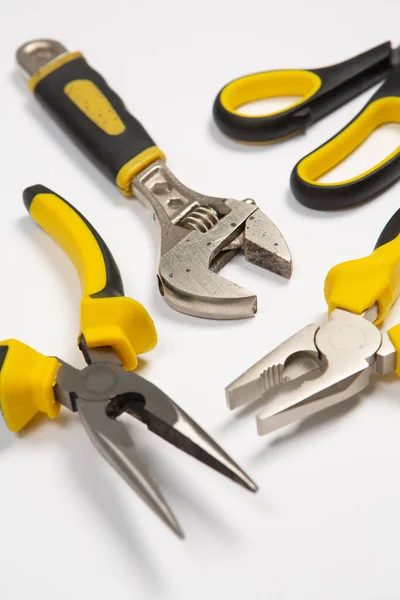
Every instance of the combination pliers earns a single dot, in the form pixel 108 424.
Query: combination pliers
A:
pixel 322 365
pixel 114 329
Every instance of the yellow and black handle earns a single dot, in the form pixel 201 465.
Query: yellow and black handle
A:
pixel 356 285
pixel 95 117
pixel 383 108
pixel 321 91
pixel 107 317
pixel 27 380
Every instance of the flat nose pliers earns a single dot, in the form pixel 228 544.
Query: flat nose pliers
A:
pixel 114 329
pixel 322 365
pixel 199 234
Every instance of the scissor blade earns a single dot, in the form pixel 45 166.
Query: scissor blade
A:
pixel 113 441
pixel 170 422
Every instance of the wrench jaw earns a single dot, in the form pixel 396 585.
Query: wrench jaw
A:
pixel 195 290
pixel 265 246
pixel 199 235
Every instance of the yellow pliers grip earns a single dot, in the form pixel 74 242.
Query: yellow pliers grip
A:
pixel 107 317
pixel 27 380
pixel 356 285
pixel 318 92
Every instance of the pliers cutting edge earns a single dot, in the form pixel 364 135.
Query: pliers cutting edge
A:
pixel 114 329
pixel 199 234
pixel 323 365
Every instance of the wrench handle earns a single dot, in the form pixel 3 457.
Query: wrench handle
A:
pixel 96 118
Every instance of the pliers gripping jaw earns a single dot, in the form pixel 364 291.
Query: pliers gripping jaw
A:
pixel 107 387
pixel 323 365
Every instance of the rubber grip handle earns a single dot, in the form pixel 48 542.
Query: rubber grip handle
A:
pixel 95 117
pixel 107 317
pixel 390 231
pixel 321 91
pixel 357 285
pixel 98 272
pixel 27 380
pixel 383 108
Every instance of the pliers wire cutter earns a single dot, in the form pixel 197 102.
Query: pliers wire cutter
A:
pixel 114 329
pixel 199 234
pixel 322 365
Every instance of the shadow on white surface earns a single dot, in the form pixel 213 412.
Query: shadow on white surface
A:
pixel 6 436
pixel 307 426
pixel 196 497
pixel 231 144
pixel 87 469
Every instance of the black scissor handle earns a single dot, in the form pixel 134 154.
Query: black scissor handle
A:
pixel 321 91
pixel 383 108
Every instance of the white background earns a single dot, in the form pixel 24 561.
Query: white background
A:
pixel 326 521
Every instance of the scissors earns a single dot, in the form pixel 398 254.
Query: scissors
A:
pixel 321 91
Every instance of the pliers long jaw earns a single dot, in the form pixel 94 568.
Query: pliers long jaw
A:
pixel 316 368
pixel 102 391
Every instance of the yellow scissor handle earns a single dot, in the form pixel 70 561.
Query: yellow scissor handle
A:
pixel 107 317
pixel 318 91
pixel 269 84
pixel 356 285
pixel 311 192
pixel 27 380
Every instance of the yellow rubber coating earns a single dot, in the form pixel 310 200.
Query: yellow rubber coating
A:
pixel 72 234
pixel 394 335
pixel 269 84
pixel 120 322
pixel 135 166
pixel 27 380
pixel 52 66
pixel 358 284
pixel 91 101
pixel 318 163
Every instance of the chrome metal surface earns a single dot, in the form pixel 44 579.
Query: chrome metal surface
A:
pixel 102 391
pixel 190 259
pixel 35 54
pixel 314 369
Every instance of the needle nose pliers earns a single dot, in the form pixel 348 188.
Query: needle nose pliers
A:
pixel 322 365
pixel 114 329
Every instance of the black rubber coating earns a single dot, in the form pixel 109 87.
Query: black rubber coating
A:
pixel 391 230
pixel 109 152
pixel 114 286
pixel 349 194
pixel 340 83
pixel 3 354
